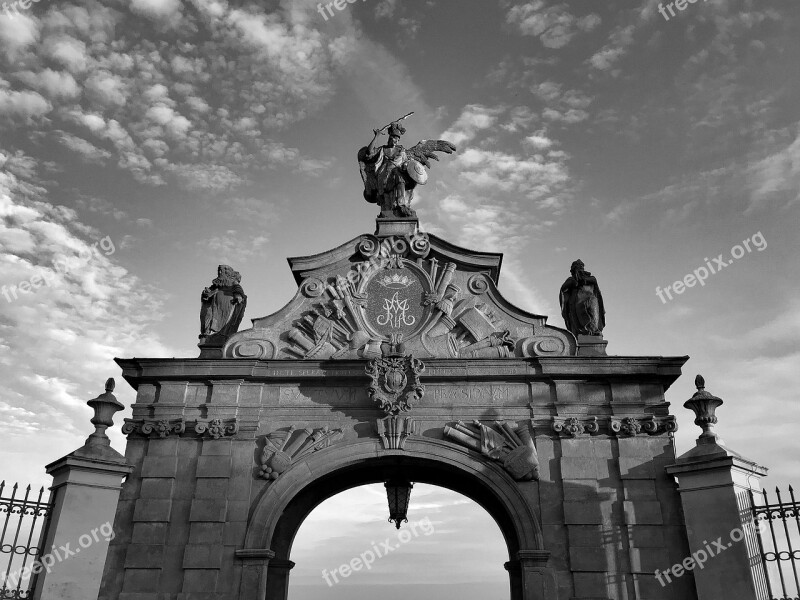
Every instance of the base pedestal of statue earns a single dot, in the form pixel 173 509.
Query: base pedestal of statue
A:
pixel 388 226
pixel 591 345
pixel 211 346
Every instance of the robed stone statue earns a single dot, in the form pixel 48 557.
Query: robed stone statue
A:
pixel 391 172
pixel 582 303
pixel 222 305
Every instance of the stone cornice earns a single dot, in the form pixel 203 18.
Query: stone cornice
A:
pixel 634 369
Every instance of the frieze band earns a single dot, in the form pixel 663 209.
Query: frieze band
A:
pixel 163 428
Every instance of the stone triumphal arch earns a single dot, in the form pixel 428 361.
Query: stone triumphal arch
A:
pixel 397 359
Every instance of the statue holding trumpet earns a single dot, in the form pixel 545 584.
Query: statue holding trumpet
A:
pixel 391 172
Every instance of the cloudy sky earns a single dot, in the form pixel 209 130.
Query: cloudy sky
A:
pixel 175 135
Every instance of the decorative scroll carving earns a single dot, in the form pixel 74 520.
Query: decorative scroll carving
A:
pixel 391 386
pixel 630 426
pixel 545 342
pixel 574 426
pixel 216 428
pixel 393 431
pixel 477 284
pixel 412 246
pixel 312 287
pixel 512 446
pixel 259 349
pixel 282 448
pixel 161 428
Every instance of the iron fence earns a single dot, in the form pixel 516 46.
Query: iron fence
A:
pixel 779 542
pixel 23 530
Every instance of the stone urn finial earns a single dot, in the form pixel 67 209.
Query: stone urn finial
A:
pixel 704 405
pixel 105 405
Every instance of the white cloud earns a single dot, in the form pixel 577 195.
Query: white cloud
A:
pixel 554 24
pixel 474 118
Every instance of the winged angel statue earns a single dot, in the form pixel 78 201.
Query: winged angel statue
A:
pixel 392 172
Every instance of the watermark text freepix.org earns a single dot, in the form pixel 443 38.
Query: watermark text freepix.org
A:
pixel 698 559
pixel 365 559
pixel 339 5
pixel 57 555
pixel 61 265
pixel 712 267
pixel 7 7
pixel 679 4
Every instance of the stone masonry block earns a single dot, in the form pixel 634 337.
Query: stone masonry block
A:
pixel 141 580
pixel 646 536
pixel 214 466
pixel 591 586
pixel 208 510
pixel 179 524
pixel 647 560
pixel 157 487
pixel 238 510
pixel 216 487
pixel 172 570
pixel 584 513
pixel 149 510
pixel 580 489
pixel 160 466
pixel 149 533
pixel 198 580
pixel 588 559
pixel 568 392
pixel 162 447
pixel 172 393
pixel 144 556
pixel 206 533
pixel 580 468
pixel 640 489
pixel 586 535
pixel 189 448
pixel 636 468
pixel 216 448
pixel 586 447
pixel 197 556
pixel 648 588
pixel 250 395
pixel 642 513
pixel 644 446
pixel 625 393
pixel 234 534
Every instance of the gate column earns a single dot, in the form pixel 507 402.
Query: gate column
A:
pixel 255 565
pixel 278 579
pixel 86 488
pixel 715 484
pixel 531 575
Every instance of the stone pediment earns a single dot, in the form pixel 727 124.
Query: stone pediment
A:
pixel 400 290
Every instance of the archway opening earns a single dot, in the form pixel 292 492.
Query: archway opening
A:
pixel 451 548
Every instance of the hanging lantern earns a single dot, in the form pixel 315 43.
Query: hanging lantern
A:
pixel 398 492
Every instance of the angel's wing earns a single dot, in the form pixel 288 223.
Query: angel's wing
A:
pixel 366 167
pixel 426 149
